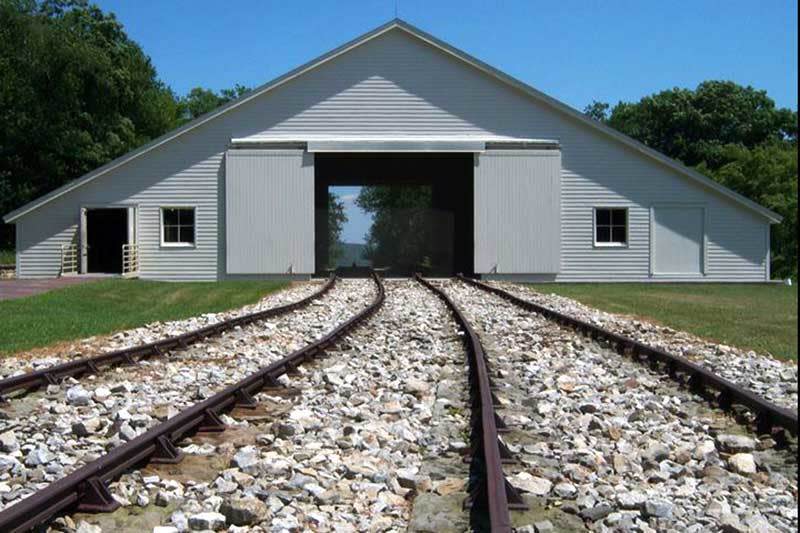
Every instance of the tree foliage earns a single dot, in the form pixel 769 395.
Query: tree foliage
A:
pixel 75 93
pixel 736 135
pixel 200 101
pixel 401 235
pixel 337 218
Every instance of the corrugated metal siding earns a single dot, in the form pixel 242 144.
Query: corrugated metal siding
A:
pixel 517 211
pixel 396 85
pixel 269 203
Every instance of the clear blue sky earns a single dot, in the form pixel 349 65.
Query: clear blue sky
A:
pixel 574 50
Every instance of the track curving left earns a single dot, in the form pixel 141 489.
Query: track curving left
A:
pixel 86 489
pixel 93 365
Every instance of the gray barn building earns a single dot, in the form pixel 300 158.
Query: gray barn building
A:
pixel 538 191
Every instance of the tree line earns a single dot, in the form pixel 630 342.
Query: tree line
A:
pixel 77 92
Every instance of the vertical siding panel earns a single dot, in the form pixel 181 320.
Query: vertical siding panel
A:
pixel 269 197
pixel 517 211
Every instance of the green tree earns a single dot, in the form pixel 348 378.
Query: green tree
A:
pixel 736 135
pixel 597 110
pixel 337 218
pixel 402 231
pixel 767 174
pixel 75 92
pixel 200 101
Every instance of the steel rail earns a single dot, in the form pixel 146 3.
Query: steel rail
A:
pixel 488 488
pixel 767 414
pixel 85 489
pixel 94 364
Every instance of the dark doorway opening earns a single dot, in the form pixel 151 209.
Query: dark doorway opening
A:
pixel 422 207
pixel 106 232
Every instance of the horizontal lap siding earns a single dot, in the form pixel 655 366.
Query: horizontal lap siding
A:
pixel 397 85
pixel 187 173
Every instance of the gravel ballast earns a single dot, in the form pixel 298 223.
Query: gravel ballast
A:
pixel 605 438
pixel 62 427
pixel 773 379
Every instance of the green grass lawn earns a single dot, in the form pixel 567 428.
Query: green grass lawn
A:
pixel 110 305
pixel 7 257
pixel 756 317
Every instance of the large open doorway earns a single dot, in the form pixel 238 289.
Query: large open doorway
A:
pixel 106 232
pixel 421 209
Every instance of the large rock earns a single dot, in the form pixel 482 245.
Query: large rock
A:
pixel 77 395
pixel 8 442
pixel 537 486
pixel 658 508
pixel 246 459
pixel 735 443
pixel 244 511
pixel 206 521
pixel 742 463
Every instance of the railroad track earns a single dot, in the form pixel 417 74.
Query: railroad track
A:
pixel 131 356
pixel 86 488
pixel 489 490
pixel 700 380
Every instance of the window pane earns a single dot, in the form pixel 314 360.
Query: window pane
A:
pixel 187 234
pixel 187 217
pixel 170 233
pixel 171 217
pixel 619 217
pixel 618 234
pixel 603 234
pixel 603 217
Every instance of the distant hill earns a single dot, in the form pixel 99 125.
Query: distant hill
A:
pixel 352 252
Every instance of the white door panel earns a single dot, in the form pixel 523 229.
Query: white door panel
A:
pixel 679 240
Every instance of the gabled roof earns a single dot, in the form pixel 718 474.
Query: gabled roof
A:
pixel 432 41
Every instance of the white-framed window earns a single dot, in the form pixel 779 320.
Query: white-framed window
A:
pixel 611 226
pixel 177 226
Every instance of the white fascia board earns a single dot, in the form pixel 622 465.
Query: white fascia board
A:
pixel 396 146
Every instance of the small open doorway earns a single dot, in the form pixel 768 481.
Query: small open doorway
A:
pixel 106 233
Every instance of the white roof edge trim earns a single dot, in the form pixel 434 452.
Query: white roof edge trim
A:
pixel 396 146
pixel 437 43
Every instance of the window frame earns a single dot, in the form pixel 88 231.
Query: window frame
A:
pixel 164 243
pixel 611 245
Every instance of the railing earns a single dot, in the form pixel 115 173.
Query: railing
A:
pixel 130 259
pixel 69 259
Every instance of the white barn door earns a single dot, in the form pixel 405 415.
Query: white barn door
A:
pixel 269 212
pixel 678 240
pixel 518 212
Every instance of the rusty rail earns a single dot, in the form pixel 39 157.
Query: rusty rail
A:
pixel 53 374
pixel 489 490
pixel 85 489
pixel 767 414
